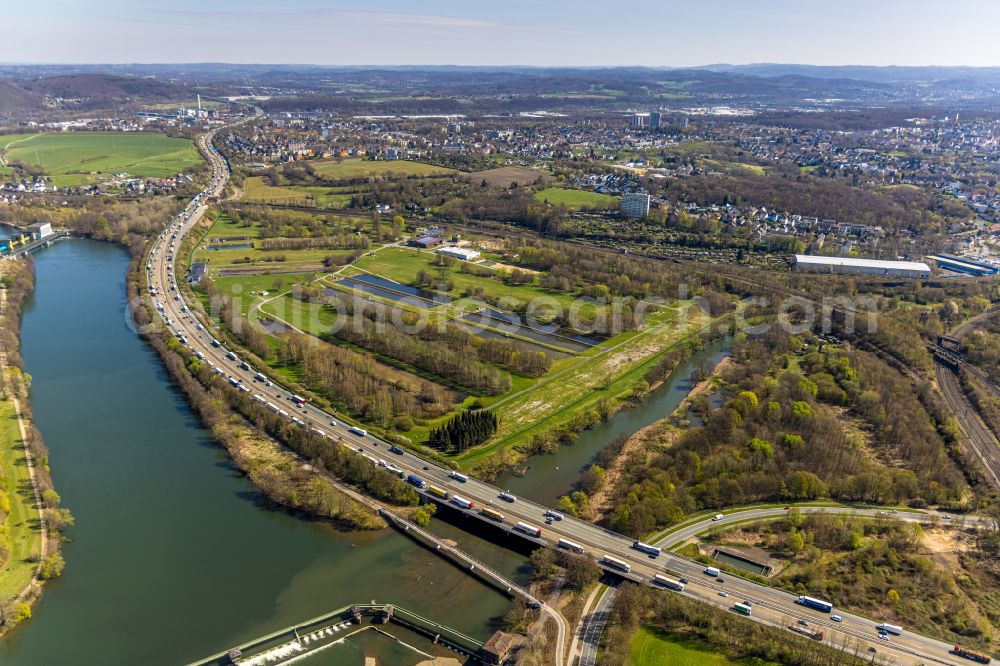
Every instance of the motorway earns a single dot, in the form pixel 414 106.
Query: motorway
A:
pixel 770 606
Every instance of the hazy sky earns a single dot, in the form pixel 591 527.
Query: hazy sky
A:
pixel 516 32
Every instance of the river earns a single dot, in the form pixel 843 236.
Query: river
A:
pixel 174 555
pixel 552 476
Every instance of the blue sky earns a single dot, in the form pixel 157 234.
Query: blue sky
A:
pixel 508 32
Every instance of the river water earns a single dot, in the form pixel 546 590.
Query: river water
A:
pixel 174 555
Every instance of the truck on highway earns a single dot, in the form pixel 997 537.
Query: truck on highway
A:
pixel 358 431
pixel 646 548
pixel 668 583
pixel 507 497
pixel 815 634
pixel 815 604
pixel 438 492
pixel 555 515
pixel 415 480
pixel 712 571
pixel 893 629
pixel 232 357
pixel 298 400
pixel 530 530
pixel 615 563
pixel 742 609
pixel 968 653
pixel 491 514
pixel 569 545
pixel 260 377
pixel 462 502
pixel 458 476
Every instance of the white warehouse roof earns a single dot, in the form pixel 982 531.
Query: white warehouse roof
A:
pixel 811 260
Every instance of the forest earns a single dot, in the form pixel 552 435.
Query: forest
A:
pixel 799 423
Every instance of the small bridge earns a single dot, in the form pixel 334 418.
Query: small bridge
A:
pixel 462 559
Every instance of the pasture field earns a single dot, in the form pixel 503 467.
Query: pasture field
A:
pixel 83 158
pixel 576 199
pixel 347 169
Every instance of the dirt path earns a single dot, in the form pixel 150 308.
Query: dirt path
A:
pixel 3 162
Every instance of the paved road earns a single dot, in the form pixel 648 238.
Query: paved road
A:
pixel 771 606
pixel 594 627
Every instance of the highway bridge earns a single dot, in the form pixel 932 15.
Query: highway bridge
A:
pixel 771 606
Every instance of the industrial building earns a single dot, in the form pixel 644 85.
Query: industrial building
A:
pixel 962 265
pixel 462 253
pixel 634 204
pixel 852 266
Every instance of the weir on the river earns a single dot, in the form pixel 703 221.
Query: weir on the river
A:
pixel 319 633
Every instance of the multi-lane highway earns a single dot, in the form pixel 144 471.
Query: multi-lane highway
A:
pixel 769 605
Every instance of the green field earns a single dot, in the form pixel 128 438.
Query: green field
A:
pixel 357 168
pixel 255 190
pixel 576 199
pixel 233 233
pixel 651 647
pixel 82 158
pixel 19 529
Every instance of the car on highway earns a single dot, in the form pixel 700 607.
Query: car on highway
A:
pixel 836 618
pixel 883 636
pixel 804 623
pixel 723 593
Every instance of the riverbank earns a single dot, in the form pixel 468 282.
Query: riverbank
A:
pixel 659 434
pixel 27 555
pixel 279 472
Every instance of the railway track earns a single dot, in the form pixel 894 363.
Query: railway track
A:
pixel 980 438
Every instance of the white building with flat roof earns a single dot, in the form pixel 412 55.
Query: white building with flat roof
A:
pixel 853 266
pixel 40 230
pixel 463 253
pixel 634 204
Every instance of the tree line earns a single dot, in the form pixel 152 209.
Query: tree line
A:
pixel 464 431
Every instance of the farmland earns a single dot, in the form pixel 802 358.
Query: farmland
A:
pixel 576 199
pixel 83 158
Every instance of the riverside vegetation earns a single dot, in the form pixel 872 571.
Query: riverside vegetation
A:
pixel 24 565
